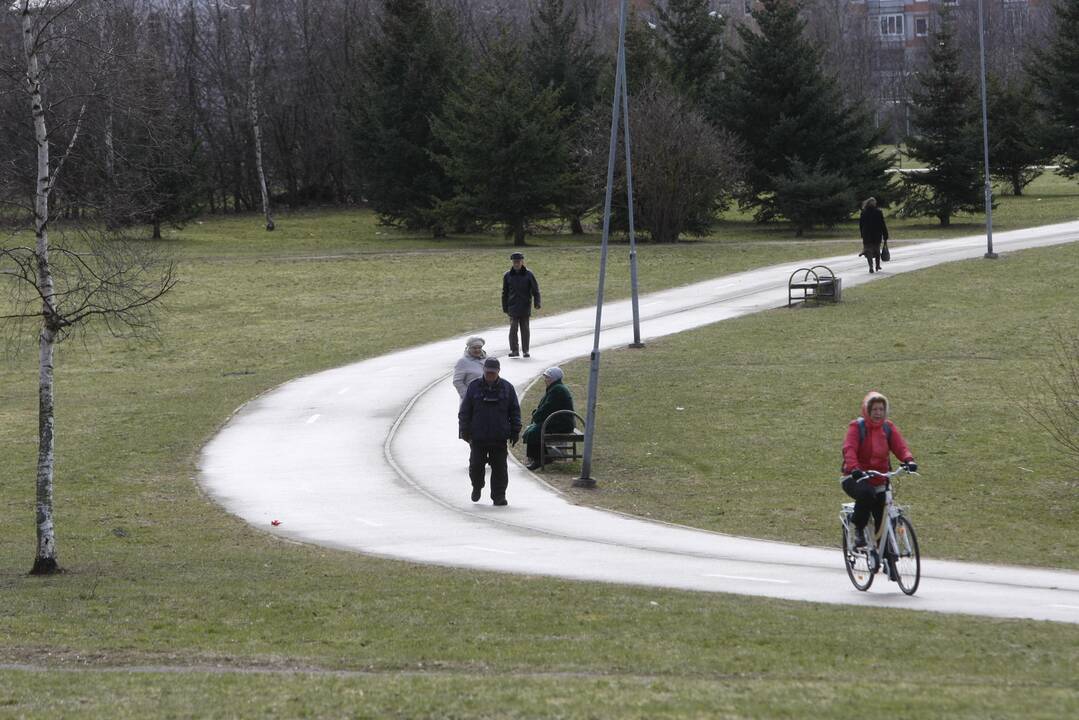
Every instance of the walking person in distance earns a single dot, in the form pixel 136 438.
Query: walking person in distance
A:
pixel 519 289
pixel 874 232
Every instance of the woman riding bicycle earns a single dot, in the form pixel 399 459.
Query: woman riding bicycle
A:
pixel 870 441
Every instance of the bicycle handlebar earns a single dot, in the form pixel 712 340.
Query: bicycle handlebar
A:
pixel 901 470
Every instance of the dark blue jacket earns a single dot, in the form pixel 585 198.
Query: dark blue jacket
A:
pixel 519 289
pixel 489 414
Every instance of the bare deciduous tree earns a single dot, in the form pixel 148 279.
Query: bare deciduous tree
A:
pixel 1053 402
pixel 61 288
pixel 253 38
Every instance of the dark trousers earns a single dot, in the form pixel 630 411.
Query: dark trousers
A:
pixel 872 254
pixel 520 321
pixel 866 500
pixel 482 455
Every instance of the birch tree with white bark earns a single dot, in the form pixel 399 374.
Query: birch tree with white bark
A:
pixel 253 38
pixel 56 288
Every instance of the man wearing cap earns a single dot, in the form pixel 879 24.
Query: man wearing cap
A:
pixel 557 397
pixel 489 416
pixel 519 289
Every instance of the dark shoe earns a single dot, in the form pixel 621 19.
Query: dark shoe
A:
pixel 476 494
pixel 870 270
pixel 514 354
pixel 527 355
pixel 859 537
pixel 534 465
pixel 501 503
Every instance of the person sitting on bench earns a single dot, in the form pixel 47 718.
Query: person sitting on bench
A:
pixel 557 397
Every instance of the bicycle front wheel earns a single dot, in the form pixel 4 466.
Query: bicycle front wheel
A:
pixel 857 561
pixel 908 565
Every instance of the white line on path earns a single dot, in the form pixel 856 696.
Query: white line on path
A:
pixel 342 391
pixel 746 577
pixel 491 550
pixel 313 418
pixel 372 523
pixel 1066 607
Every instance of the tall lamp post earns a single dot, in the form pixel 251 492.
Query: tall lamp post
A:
pixel 620 101
pixel 985 141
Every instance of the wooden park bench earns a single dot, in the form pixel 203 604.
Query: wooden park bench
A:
pixel 568 446
pixel 814 284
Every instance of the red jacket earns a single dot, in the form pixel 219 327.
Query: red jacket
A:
pixel 873 452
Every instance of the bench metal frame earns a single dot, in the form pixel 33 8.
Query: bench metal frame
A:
pixel 566 442
pixel 815 283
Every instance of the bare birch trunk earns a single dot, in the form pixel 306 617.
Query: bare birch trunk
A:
pixel 45 562
pixel 253 111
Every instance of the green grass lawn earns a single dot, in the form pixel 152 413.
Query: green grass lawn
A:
pixel 160 579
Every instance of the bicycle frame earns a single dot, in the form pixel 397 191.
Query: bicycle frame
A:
pixel 885 544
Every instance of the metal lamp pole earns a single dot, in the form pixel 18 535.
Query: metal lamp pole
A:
pixel 985 142
pixel 629 202
pixel 586 480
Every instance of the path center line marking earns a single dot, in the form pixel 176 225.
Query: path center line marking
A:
pixel 485 549
pixel 313 418
pixel 342 391
pixel 372 523
pixel 746 577
pixel 1066 607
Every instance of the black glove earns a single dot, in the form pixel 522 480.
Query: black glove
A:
pixel 856 474
pixel 514 439
pixel 911 465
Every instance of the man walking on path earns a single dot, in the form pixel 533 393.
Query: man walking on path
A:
pixel 519 289
pixel 490 414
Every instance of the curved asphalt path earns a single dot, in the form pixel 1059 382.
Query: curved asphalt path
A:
pixel 366 458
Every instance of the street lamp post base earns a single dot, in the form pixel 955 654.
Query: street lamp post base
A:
pixel 990 256
pixel 636 345
pixel 584 482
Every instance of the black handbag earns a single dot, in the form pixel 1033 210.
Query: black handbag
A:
pixel 885 254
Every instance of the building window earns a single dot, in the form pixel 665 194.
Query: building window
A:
pixel 891 26
pixel 921 26
pixel 950 2
pixel 749 7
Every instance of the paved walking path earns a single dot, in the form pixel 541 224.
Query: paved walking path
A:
pixel 366 458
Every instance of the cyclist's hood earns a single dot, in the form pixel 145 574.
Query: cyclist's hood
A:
pixel 873 395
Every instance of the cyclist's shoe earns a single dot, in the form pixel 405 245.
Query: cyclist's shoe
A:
pixel 889 566
pixel 859 537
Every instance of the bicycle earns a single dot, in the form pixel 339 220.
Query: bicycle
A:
pixel 894 547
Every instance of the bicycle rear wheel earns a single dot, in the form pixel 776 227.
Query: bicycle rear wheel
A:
pixel 908 565
pixel 857 562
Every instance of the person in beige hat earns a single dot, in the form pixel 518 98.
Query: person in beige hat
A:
pixel 469 366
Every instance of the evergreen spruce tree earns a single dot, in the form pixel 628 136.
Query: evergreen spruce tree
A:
pixel 644 56
pixel 692 38
pixel 1055 69
pixel 794 121
pixel 1016 134
pixel 405 73
pixel 506 150
pixel 561 59
pixel 947 132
